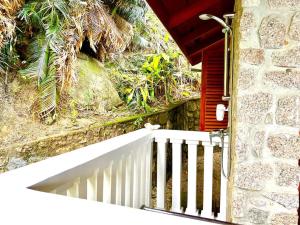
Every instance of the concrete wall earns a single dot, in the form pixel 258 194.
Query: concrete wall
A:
pixel 184 115
pixel 266 109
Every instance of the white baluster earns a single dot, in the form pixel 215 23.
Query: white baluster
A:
pixel 148 175
pixel 61 191
pixel 92 186
pixel 176 176
pixel 192 178
pixel 161 172
pixel 128 182
pixel 223 192
pixel 113 183
pixel 100 185
pixel 83 188
pixel 208 180
pixel 119 182
pixel 73 191
pixel 143 175
pixel 123 181
pixel 107 184
pixel 136 179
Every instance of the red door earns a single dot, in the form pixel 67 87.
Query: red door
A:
pixel 212 87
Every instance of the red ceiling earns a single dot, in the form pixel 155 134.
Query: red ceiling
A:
pixel 181 18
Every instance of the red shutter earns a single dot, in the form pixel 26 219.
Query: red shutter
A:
pixel 212 87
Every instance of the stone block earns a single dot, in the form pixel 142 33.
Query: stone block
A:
pixel 163 118
pixel 258 216
pixel 288 201
pixel 272 32
pixel 253 108
pixel 252 56
pixel 247 23
pixel 284 146
pixel 192 106
pixel 258 202
pixel 294 31
pixel 286 79
pixel 292 4
pixel 286 112
pixel 287 175
pixel 250 3
pixel 284 219
pixel 246 78
pixel 287 58
pixel 253 176
pixel 15 163
pixel 239 204
pixel 241 149
pixel 258 143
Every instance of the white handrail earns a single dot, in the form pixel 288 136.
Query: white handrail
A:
pixel 117 171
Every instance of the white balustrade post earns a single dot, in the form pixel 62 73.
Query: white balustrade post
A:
pixel 83 188
pixel 107 184
pixel 136 179
pixel 92 186
pixel 100 185
pixel 176 176
pixel 208 180
pixel 74 190
pixel 192 178
pixel 143 175
pixel 148 175
pixel 119 182
pixel 161 171
pixel 223 192
pixel 128 181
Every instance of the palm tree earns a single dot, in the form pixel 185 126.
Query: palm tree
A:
pixel 57 30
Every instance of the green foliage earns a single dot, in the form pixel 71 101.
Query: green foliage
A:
pixel 47 18
pixel 8 57
pixel 131 10
pixel 153 80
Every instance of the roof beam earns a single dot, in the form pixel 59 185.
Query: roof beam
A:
pixel 201 33
pixel 191 11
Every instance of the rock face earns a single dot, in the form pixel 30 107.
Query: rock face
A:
pixel 94 89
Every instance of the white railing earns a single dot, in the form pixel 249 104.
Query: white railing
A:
pixel 116 171
pixel 192 139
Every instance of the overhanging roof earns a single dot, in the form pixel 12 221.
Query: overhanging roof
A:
pixel 181 18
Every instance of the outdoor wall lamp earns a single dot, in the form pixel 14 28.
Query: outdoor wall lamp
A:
pixel 220 112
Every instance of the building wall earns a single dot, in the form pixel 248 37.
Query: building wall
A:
pixel 266 112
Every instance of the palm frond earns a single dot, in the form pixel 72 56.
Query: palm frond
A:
pixel 47 89
pixel 45 70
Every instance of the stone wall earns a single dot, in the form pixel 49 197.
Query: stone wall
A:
pixel 182 115
pixel 266 112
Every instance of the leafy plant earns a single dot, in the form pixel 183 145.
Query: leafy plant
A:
pixel 46 17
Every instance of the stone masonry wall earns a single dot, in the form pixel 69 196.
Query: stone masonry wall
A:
pixel 182 115
pixel 266 138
